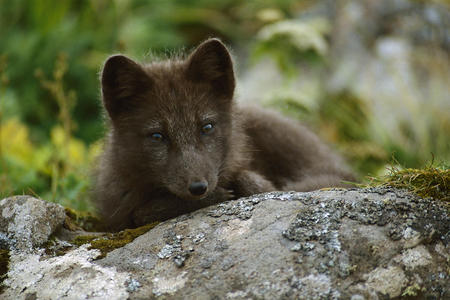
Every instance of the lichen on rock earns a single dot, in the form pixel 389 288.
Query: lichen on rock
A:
pixel 109 241
pixel 63 277
pixel 372 243
pixel 27 222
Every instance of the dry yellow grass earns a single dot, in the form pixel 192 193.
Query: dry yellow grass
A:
pixel 428 182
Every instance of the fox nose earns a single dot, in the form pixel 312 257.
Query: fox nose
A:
pixel 198 188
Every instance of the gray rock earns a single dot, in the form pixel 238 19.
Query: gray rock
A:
pixel 72 276
pixel 27 222
pixel 335 244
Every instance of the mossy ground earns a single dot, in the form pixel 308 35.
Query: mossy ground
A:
pixel 110 241
pixel 4 265
pixel 85 220
pixel 428 182
pixel 104 241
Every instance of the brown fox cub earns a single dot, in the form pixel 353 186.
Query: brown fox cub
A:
pixel 178 142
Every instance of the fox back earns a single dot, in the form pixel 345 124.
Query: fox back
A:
pixel 177 141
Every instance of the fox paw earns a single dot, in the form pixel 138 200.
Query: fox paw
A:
pixel 230 195
pixel 221 194
pixel 224 194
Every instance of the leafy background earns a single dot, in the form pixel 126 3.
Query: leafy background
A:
pixel 371 77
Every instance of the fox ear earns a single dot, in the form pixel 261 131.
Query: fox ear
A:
pixel 123 81
pixel 211 62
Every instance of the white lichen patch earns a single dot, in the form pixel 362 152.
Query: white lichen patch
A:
pixel 72 276
pixel 416 257
pixel 236 295
pixel 443 250
pixel 27 222
pixel 164 285
pixel 389 281
pixel 7 212
pixel 235 229
pixel 316 286
pixel 411 238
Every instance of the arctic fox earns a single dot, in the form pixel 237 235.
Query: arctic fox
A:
pixel 177 141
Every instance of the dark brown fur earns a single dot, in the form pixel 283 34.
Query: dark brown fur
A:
pixel 250 150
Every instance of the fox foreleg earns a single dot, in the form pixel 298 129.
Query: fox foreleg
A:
pixel 248 183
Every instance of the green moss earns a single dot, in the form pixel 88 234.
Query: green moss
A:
pixel 412 290
pixel 105 242
pixel 85 220
pixel 428 182
pixel 54 247
pixel 110 241
pixel 4 266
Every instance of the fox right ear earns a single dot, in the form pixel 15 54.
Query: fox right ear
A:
pixel 123 81
pixel 211 62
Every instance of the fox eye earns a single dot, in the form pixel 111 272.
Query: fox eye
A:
pixel 208 128
pixel 157 136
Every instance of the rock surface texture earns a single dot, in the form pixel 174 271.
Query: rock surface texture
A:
pixel 27 222
pixel 335 244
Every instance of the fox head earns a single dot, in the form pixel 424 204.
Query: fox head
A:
pixel 171 120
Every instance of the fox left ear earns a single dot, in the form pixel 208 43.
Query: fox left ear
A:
pixel 211 62
pixel 123 80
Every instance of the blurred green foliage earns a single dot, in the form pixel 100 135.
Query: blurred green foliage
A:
pixel 51 53
pixel 35 32
pixel 56 169
pixel 290 42
pixel 345 119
